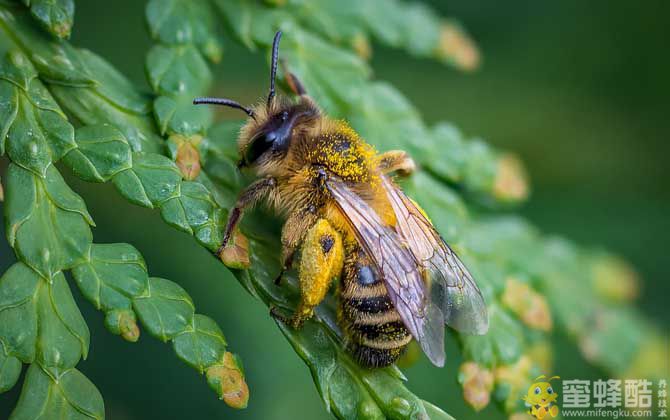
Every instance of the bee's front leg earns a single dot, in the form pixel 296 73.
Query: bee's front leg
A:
pixel 247 198
pixel 396 161
pixel 321 260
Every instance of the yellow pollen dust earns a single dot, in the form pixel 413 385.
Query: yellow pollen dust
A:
pixel 345 153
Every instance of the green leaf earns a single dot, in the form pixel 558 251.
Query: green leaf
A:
pixel 113 85
pixel 17 69
pixel 605 335
pixel 449 166
pixel 58 393
pixel 421 29
pixel 26 145
pixel 177 70
pixel 18 315
pixel 113 275
pixel 387 120
pixel 337 21
pixel 56 16
pixel 56 61
pixel 63 197
pixel 195 211
pixel 63 336
pixel 165 309
pixel 39 132
pixel 202 344
pixel 9 106
pixel 112 100
pixel 502 345
pixel 179 115
pixel 331 75
pixel 240 16
pixel 384 117
pixel 47 223
pixel 412 26
pixel 399 24
pixel 435 413
pixel 40 320
pixel 10 369
pixel 481 167
pixel 84 84
pixel 102 152
pixel 152 180
pixel 342 391
pixel 184 22
pixel 348 390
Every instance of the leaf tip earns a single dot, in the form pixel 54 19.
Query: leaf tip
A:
pixel 457 48
pixel 213 51
pixel 615 279
pixel 236 254
pixel 62 30
pixel 401 406
pixel 123 322
pixel 516 377
pixel 226 378
pixel 511 181
pixel 188 161
pixel 361 46
pixel 477 383
pixel 530 306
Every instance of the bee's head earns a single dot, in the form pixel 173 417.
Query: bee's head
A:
pixel 266 137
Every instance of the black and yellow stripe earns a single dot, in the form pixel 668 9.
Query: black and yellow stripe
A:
pixel 376 334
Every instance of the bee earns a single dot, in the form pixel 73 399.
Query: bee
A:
pixel 348 220
pixel 541 398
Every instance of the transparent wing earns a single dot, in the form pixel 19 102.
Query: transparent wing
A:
pixel 450 285
pixel 399 269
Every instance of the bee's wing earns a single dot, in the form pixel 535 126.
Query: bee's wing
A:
pixel 398 268
pixel 451 286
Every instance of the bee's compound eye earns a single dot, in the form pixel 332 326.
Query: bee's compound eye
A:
pixel 284 116
pixel 550 390
pixel 537 390
pixel 258 146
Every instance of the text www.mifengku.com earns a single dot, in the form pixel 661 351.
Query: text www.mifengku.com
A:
pixel 606 413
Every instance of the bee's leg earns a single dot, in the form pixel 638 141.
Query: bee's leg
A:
pixel 396 161
pixel 293 232
pixel 247 198
pixel 321 260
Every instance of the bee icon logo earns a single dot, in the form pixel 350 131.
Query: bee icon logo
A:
pixel 541 398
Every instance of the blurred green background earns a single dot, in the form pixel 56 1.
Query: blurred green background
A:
pixel 578 89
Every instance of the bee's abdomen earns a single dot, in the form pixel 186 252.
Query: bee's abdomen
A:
pixel 377 335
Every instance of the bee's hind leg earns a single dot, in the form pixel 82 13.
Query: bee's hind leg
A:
pixel 294 231
pixel 320 261
pixel 396 161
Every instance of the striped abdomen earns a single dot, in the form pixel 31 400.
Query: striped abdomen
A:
pixel 376 334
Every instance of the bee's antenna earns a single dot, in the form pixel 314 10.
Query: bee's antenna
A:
pixel 224 102
pixel 273 68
